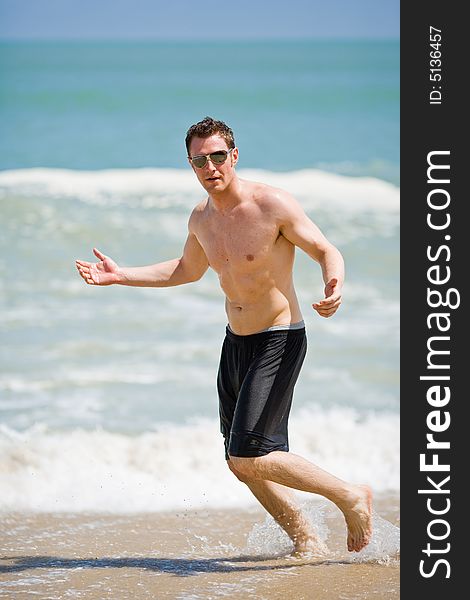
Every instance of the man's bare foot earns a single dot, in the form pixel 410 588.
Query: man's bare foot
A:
pixel 309 547
pixel 358 515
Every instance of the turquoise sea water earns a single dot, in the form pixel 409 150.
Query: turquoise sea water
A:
pixel 292 105
pixel 107 391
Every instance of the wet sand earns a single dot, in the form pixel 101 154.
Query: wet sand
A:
pixel 192 555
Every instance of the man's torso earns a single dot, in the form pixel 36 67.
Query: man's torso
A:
pixel 252 258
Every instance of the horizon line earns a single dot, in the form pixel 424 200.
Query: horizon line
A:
pixel 202 39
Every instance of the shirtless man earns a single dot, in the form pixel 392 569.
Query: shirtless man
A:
pixel 247 232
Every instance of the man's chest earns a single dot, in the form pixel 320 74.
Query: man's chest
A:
pixel 243 243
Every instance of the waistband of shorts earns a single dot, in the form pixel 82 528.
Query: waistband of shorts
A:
pixel 298 327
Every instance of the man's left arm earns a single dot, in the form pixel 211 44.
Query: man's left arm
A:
pixel 301 231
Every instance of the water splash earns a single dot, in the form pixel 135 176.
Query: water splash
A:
pixel 268 539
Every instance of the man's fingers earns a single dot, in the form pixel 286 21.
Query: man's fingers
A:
pixel 82 268
pixel 99 254
pixel 327 313
pixel 326 308
pixel 85 274
pixel 328 301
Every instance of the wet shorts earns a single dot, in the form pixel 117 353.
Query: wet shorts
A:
pixel 255 382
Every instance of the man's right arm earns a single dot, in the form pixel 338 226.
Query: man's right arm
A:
pixel 191 266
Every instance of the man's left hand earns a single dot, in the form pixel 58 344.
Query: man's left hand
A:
pixel 330 304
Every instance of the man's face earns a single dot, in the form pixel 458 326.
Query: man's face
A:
pixel 213 178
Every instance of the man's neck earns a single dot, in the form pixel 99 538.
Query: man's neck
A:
pixel 229 198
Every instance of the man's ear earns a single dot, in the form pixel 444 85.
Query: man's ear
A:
pixel 234 154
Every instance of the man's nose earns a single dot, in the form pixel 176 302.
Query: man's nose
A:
pixel 210 165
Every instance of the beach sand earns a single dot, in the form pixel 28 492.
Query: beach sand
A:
pixel 193 554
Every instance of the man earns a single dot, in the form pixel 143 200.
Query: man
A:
pixel 247 232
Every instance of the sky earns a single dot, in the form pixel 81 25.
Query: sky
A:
pixel 189 19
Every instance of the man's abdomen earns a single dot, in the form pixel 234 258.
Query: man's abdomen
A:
pixel 271 307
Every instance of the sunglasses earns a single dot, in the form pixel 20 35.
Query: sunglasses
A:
pixel 216 158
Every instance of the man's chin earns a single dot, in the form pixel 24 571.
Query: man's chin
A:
pixel 213 184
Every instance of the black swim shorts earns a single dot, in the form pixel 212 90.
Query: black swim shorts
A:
pixel 255 382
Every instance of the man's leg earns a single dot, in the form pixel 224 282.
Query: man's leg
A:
pixel 354 501
pixel 281 505
pixel 255 399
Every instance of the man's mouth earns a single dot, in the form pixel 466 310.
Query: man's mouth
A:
pixel 212 178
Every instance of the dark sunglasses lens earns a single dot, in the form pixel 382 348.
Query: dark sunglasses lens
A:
pixel 199 161
pixel 217 158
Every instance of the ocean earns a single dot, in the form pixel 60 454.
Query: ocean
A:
pixel 107 395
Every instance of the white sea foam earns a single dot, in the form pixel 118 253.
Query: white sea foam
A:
pixel 160 188
pixel 174 467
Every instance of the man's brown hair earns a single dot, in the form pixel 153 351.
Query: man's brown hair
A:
pixel 207 127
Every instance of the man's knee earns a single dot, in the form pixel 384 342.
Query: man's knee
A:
pixel 243 468
pixel 238 475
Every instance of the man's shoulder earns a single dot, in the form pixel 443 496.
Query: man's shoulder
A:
pixel 200 207
pixel 277 203
pixel 197 213
pixel 269 197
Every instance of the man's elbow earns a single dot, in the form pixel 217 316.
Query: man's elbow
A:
pixel 200 273
pixel 194 277
pixel 195 274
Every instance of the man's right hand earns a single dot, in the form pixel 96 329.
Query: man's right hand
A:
pixel 104 272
